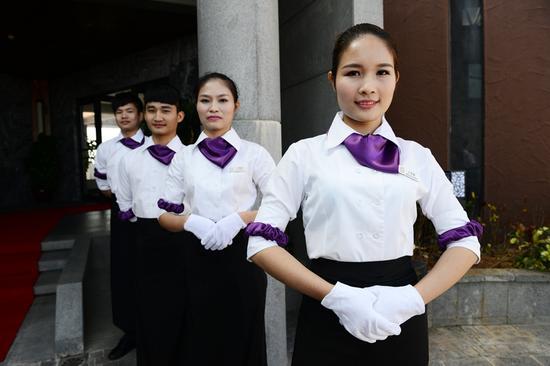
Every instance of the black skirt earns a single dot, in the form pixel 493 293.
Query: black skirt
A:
pixel 160 282
pixel 123 271
pixel 225 302
pixel 321 340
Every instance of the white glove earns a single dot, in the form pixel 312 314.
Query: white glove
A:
pixel 198 225
pixel 398 304
pixel 354 307
pixel 222 234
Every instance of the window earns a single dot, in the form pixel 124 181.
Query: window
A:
pixel 467 113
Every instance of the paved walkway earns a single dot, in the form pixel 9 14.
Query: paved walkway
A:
pixel 523 345
pixel 495 345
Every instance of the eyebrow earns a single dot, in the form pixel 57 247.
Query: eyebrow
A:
pixel 360 66
pixel 162 106
pixel 218 96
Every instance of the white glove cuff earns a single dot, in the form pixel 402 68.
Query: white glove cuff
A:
pixel 192 223
pixel 416 300
pixel 237 220
pixel 339 292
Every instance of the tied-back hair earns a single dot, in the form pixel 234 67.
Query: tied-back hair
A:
pixel 351 34
pixel 217 76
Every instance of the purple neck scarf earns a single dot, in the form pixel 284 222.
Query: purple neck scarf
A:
pixel 374 151
pixel 217 150
pixel 131 143
pixel 162 153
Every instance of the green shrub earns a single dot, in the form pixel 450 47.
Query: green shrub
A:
pixel 533 244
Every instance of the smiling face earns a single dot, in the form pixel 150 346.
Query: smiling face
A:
pixel 128 118
pixel 162 119
pixel 365 82
pixel 216 107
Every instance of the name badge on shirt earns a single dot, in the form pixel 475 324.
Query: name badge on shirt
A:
pixel 237 169
pixel 407 173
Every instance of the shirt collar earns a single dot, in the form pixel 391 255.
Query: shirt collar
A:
pixel 339 131
pixel 175 144
pixel 230 136
pixel 138 136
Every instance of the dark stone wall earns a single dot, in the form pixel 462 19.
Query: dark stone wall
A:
pixel 15 140
pixel 517 112
pixel 420 110
pixel 175 60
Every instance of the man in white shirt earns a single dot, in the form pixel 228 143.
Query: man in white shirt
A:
pixel 128 110
pixel 159 257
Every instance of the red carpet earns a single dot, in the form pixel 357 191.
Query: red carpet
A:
pixel 21 235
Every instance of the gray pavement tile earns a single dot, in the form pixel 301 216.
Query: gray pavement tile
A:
pixel 544 360
pixel 514 361
pixel 477 361
pixel 538 330
pixel 503 349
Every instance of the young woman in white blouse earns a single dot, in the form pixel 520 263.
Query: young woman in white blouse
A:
pixel 358 186
pixel 218 177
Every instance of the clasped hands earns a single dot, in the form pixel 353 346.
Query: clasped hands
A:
pixel 215 235
pixel 373 313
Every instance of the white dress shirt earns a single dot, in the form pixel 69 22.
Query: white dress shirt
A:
pixel 353 213
pixel 142 180
pixel 107 158
pixel 213 192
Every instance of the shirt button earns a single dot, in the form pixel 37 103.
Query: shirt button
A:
pixel 376 236
pixel 359 235
pixel 376 202
pixel 358 171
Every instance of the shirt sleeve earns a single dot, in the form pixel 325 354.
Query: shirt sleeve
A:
pixel 282 198
pixel 100 165
pixel 174 191
pixel 440 205
pixel 124 196
pixel 263 168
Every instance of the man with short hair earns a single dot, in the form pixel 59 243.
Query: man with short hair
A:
pixel 128 110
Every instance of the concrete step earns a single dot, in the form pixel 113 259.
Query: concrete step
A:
pixel 34 342
pixel 47 282
pixel 54 260
pixel 57 242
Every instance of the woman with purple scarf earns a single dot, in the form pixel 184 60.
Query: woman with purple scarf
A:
pixel 358 186
pixel 217 181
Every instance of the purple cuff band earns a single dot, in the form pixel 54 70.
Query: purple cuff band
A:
pixel 170 207
pixel 100 175
pixel 126 215
pixel 267 232
pixel 473 228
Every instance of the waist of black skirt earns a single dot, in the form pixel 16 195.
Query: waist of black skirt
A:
pixel 149 223
pixel 394 272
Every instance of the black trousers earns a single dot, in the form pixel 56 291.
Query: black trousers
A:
pixel 160 289
pixel 123 272
pixel 321 340
pixel 225 305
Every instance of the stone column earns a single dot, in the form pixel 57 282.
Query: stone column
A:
pixel 240 38
pixel 368 11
